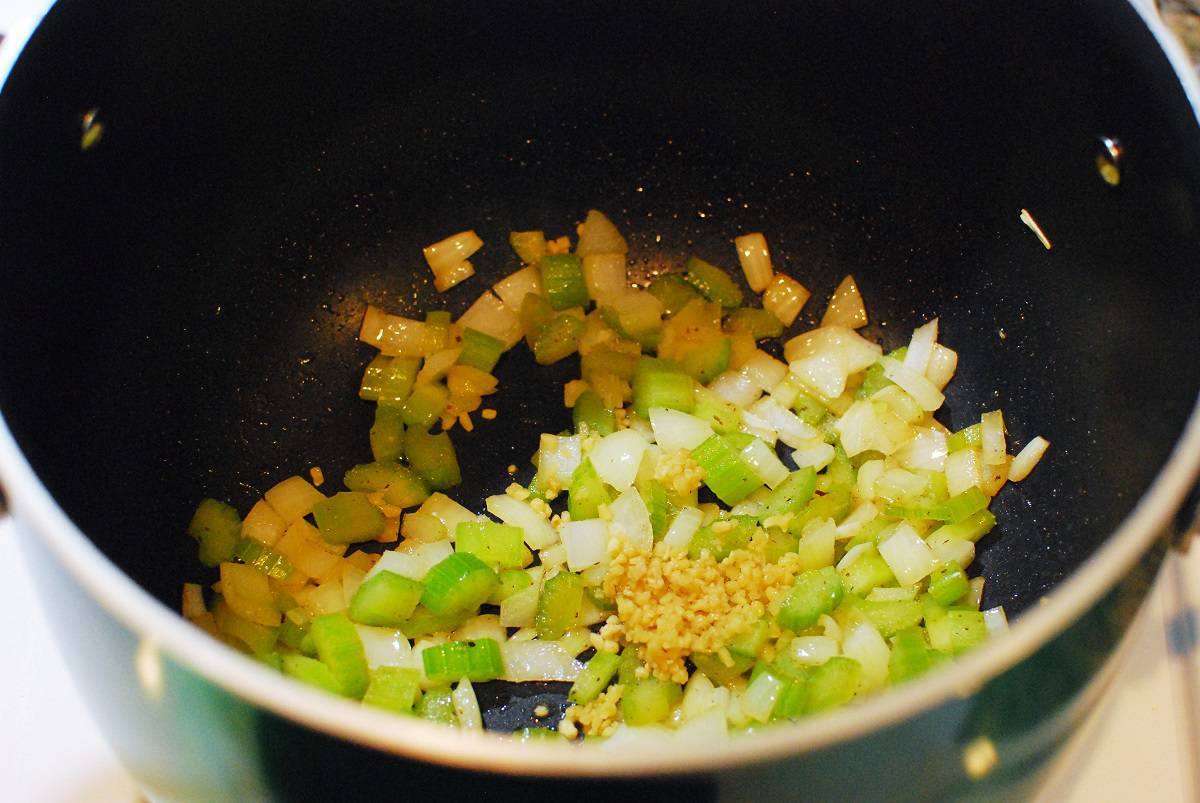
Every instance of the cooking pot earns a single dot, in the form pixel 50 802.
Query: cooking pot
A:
pixel 199 200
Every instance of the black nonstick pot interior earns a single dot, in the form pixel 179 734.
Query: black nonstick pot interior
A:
pixel 181 301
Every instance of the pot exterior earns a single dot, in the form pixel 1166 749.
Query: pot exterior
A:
pixel 186 739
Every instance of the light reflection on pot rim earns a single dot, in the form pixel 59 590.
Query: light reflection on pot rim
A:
pixel 181 642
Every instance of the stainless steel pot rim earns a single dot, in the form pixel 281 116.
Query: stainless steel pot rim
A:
pixel 35 509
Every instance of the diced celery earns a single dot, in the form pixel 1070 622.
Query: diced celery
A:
pixel 406 489
pixel 965 438
pixel 834 504
pixel 437 705
pixel 371 477
pixel 948 583
pixel 387 433
pixel 433 458
pixel 832 684
pixel 372 381
pixel 590 411
pixel 480 350
pixel 758 322
pixel 511 581
pixel 425 405
pixel 890 616
pixel 530 246
pixel 500 545
pixel 558 605
pixel 423 622
pixel 609 361
pixel 972 528
pixel 707 360
pixel 397 380
pixel 628 664
pixel 645 702
pixel 393 688
pixel 960 507
pixel 809 410
pixel 673 291
pixel 340 649
pixel 722 537
pixel 779 543
pixel 558 339
pixel 793 697
pixel 310 671
pixel 873 382
pixel 867 571
pixel 562 276
pixel 296 637
pixel 347 518
pixel 385 600
pixel 593 678
pixel 791 495
pixel 263 558
pixel 909 655
pixel 655 496
pixel 750 642
pixel 725 473
pixel 967 630
pixel 477 660
pixel 814 593
pixel 720 672
pixel 437 330
pixel 587 492
pixel 662 388
pixel 218 528
pixel 713 283
pixel 458 585
pixel 536 312
pixel 722 415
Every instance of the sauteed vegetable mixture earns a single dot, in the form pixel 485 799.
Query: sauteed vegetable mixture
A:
pixel 724 539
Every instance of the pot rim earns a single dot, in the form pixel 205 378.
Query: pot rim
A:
pixel 187 645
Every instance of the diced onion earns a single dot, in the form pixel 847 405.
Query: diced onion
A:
pixel 263 524
pixel 1027 458
pixel 604 275
pixel 558 457
pixel 846 306
pixel 491 316
pixel 816 546
pixel 586 542
pixel 857 519
pixel 787 425
pixel 991 446
pixel 687 521
pixel 942 364
pixel 412 560
pixel 784 298
pixel 678 430
pixel 863 643
pixel 617 457
pixel 537 531
pixel 899 593
pixel 538 660
pixel 815 454
pixel 755 259
pixel 868 473
pixel 392 334
pixel 631 521
pixel 764 370
pixel 765 464
pixel 920 347
pixel 698 697
pixel 852 554
pixel 914 384
pixel 963 470
pixel 385 646
pixel 466 706
pixel 736 387
pixel 907 555
pixel 293 498
pixel 947 548
pixel 485 625
pixel 758 701
pixel 598 235
pixel 517 610
pixel 926 451
pixel 812 650
pixel 448 258
pixel 513 288
pixel 437 365
pixel 995 620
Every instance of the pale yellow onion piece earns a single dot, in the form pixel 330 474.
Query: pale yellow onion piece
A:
pixel 687 521
pixel 1027 458
pixel 947 548
pixel 485 625
pixel 517 610
pixel 308 552
pixel 942 364
pixel 896 483
pixel 784 298
pixel 553 557
pixel 992 446
pixel 466 706
pixel 814 454
pixel 385 646
pixel 900 403
pixel 698 696
pixel 436 366
pixel 914 384
pixel 585 542
pixel 963 470
pixel 536 530
pixel 926 451
pixel 604 275
pixel 755 259
pixel 858 518
pixel 322 599
pixel 467 380
pixel 920 347
pixel 898 593
pixel 422 526
pixel 352 578
pixel 815 548
pixel 975 595
pixel 995 620
pixel 868 473
pixel 538 660
pixel 764 370
pixel 293 498
pixel 572 390
pixel 448 257
pixel 856 351
pixel 1034 227
pixel 193 601
pixel 263 524
pixel 846 306
pixel 449 277
pixel 393 335
pixel 412 559
pixel 863 643
pixel 993 477
pixel 513 288
pixel 492 317
pixel 907 555
pixel 598 235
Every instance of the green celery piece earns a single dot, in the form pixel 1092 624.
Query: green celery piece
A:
pixel 670 389
pixel 292 634
pixel 840 472
pixel 869 570
pixel 458 585
pixel 948 583
pixel 713 283
pixel 750 642
pixel 793 699
pixel 645 702
pixel 761 325
pixel 972 528
pixel 596 596
pixel 965 438
pixel 387 433
pixel 654 495
pixel 890 616
pixel 423 622
pixel 498 545
pixel 424 405
pixel 870 532
pixel 705 361
pixel 628 665
pixel 606 360
pixel 722 537
pixel 347 518
pixel 779 543
pixel 673 291
pixel 218 528
pixel 528 734
pixel 726 474
pixel 723 416
pixel 530 246
pixel 263 558
pixel 791 495
pixel 397 380
pixel 385 600
pixel 535 313
pixel 260 639
pixel 559 605
pixel 809 410
pixel 716 669
pixel 957 508
pixel 562 277
pixel 594 678
pixel 873 382
pixel 433 458
pixel 937 624
pixel 967 630
pixel 372 381
pixel 437 330
pixel 832 684
pixel 340 649
pixel 587 492
pixel 815 592
pixel 406 489
pixel 558 339
pixel 477 660
pixel 271 659
pixel 834 504
pixel 589 410
pixel 480 350
pixel 910 655
pixel 393 688
pixel 372 477
pixel 437 705
pixel 310 671
pixel 511 581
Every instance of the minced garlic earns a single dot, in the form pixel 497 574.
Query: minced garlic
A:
pixel 679 472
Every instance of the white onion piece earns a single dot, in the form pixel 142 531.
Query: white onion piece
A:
pixel 963 470
pixel 445 254
pixel 385 646
pixel 586 542
pixel 293 498
pixel 765 464
pixel 858 518
pixel 995 620
pixel 678 430
pixel 538 660
pixel 1027 458
pixel 907 555
pixel 852 554
pixel 485 625
pixel 897 484
pixel 814 454
pixel 517 610
pixel 491 316
pixel 816 546
pixel 631 521
pixel 698 697
pixel 920 347
pixel 846 306
pixel 392 334
pixel 352 578
pixel 926 451
pixel 867 427
pixel 605 277
pixel 992 448
pixel 789 427
pixel 553 556
pixel 755 259
pixel 898 402
pixel 412 559
pixel 758 701
pixel 687 521
pixel 975 595
pixel 598 235
pixel 863 643
pixel 811 650
pixel 263 524
pixel 784 298
pixel 617 456
pixel 786 392
pixel 764 370
pixel 736 387
pixel 914 384
pixel 829 625
pixel 752 424
pixel 513 288
pixel 705 730
pixel 947 548
pixel 868 473
pixel 558 457
pixel 466 706
pixel 447 511
pixel 943 362
pixel 825 373
pixel 536 530
pixel 856 351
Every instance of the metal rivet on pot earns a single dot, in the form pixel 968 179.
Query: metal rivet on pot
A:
pixel 980 757
pixel 1108 160
pixel 148 666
